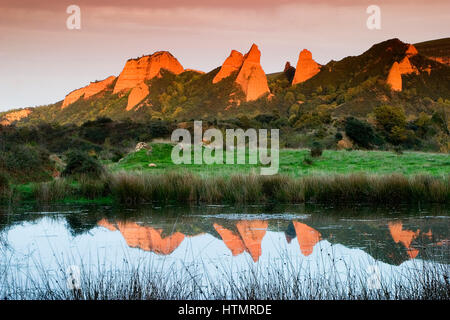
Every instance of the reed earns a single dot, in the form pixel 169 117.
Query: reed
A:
pixel 286 280
pixel 186 187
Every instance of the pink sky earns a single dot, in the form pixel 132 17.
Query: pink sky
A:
pixel 41 60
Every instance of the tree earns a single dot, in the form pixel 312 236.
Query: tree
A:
pixel 388 117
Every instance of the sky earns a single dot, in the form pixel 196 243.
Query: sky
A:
pixel 41 60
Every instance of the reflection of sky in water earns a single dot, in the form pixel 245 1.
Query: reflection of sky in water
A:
pixel 251 244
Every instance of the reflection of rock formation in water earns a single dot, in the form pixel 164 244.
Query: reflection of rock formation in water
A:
pixel 146 238
pixel 307 237
pixel 105 224
pixel 405 237
pixel 249 239
pixel 392 245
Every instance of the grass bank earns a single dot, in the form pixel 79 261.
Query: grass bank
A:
pixel 186 187
pixel 292 163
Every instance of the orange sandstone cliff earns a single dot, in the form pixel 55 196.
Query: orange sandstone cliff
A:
pixel 394 78
pixel 9 118
pixel 306 67
pixel 90 90
pixel 137 94
pixel 146 68
pixel 252 77
pixel 232 64
pixel 398 69
pixel 411 51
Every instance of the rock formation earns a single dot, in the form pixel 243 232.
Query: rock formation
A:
pixel 137 94
pixel 443 60
pixel 289 71
pixel 145 68
pixel 306 67
pixel 394 78
pixel 307 237
pixel 411 51
pixel 90 90
pixel 251 76
pixel 14 116
pixel 232 64
pixel 406 67
pixel 398 69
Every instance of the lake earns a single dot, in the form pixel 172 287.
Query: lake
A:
pixel 213 249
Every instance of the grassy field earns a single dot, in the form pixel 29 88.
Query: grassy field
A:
pixel 291 163
pixel 335 177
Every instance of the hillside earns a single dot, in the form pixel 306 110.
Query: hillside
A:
pixel 399 96
pixel 438 50
pixel 351 86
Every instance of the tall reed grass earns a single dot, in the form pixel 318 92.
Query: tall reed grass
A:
pixel 286 280
pixel 185 187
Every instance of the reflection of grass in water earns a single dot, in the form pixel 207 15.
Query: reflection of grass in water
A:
pixel 186 187
pixel 282 280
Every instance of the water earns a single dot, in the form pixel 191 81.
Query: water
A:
pixel 217 242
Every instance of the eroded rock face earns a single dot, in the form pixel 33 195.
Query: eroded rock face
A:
pixel 394 78
pixel 398 69
pixel 137 94
pixel 145 68
pixel 306 67
pixel 251 76
pixel 443 60
pixel 289 71
pixel 232 64
pixel 14 116
pixel 411 51
pixel 90 90
pixel 406 67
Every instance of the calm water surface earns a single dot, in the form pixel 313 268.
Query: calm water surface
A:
pixel 216 241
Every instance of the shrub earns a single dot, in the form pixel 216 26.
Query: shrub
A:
pixel 398 150
pixel 308 160
pixel 80 163
pixel 316 150
pixel 360 132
